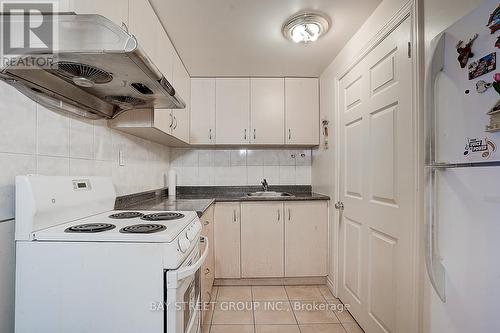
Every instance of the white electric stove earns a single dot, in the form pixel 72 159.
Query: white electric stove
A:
pixel 83 267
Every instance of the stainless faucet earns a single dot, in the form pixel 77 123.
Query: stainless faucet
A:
pixel 265 185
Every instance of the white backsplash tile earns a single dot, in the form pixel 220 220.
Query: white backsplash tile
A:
pixel 303 157
pixel 287 175
pixel 238 157
pixel 222 158
pixel 287 157
pixel 255 157
pixel 272 174
pixel 103 143
pixel 81 138
pixel 206 158
pixel 255 174
pixel 18 125
pixel 52 166
pixel 271 157
pixel 52 133
pixel 303 175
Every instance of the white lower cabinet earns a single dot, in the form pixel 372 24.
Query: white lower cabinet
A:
pixel 262 240
pixel 306 238
pixel 227 240
pixel 271 239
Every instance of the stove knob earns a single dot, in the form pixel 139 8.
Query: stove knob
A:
pixel 191 234
pixel 184 244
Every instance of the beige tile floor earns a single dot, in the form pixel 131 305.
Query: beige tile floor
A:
pixel 277 309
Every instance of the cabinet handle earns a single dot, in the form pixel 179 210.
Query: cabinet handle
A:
pixel 234 215
pixel 210 134
pixel 254 135
pixel 289 134
pixel 175 119
pixel 171 120
pixel 206 223
pixel 207 271
pixel 289 214
pixel 124 26
pixel 279 215
pixel 245 136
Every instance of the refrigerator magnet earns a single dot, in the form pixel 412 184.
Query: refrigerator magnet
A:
pixel 465 51
pixel 482 86
pixel 497 43
pixel 483 66
pixel 494 20
pixel 483 147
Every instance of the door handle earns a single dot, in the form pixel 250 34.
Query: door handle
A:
pixel 254 134
pixel 279 215
pixel 175 119
pixel 289 214
pixel 234 215
pixel 339 205
pixel 210 134
pixel 289 134
pixel 245 135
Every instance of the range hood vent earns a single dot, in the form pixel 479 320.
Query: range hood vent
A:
pixel 99 71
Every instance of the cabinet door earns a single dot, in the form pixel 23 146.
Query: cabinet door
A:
pixel 182 83
pixel 143 24
pixel 202 111
pixel 302 111
pixel 267 111
pixel 115 10
pixel 262 242
pixel 232 111
pixel 208 267
pixel 164 57
pixel 306 239
pixel 227 240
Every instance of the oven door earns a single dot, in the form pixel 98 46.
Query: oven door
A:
pixel 183 294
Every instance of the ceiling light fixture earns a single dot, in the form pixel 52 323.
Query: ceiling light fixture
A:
pixel 306 27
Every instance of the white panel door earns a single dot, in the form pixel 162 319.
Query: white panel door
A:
pixel 202 111
pixel 232 111
pixel 377 187
pixel 306 238
pixel 115 10
pixel 182 83
pixel 262 242
pixel 227 240
pixel 267 111
pixel 302 111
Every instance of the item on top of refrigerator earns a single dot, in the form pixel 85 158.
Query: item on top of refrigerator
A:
pixel 465 51
pixel 494 20
pixel 497 43
pixel 484 147
pixel 486 64
pixel 496 82
pixel 482 86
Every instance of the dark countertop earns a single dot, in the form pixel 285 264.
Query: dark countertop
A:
pixel 200 198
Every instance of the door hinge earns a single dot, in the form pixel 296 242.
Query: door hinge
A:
pixel 409 49
pixel 339 205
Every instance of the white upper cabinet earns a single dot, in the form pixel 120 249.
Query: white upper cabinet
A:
pixel 143 24
pixel 267 102
pixel 302 111
pixel 115 10
pixel 202 111
pixel 232 111
pixel 164 57
pixel 182 83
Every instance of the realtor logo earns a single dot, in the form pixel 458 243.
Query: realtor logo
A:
pixel 27 29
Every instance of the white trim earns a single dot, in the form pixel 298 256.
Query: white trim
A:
pixel 413 10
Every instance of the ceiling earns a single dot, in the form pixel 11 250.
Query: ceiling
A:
pixel 243 37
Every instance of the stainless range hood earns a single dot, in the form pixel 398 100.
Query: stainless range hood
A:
pixel 98 71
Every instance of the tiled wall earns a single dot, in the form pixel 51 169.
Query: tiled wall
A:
pixel 241 166
pixel 36 140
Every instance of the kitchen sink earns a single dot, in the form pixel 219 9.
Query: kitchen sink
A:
pixel 269 194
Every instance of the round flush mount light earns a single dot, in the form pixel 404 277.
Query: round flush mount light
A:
pixel 306 27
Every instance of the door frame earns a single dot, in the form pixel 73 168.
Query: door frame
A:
pixel 412 9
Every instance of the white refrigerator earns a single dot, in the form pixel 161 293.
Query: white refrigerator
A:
pixel 462 239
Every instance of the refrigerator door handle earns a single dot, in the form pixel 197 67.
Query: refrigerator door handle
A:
pixel 435 269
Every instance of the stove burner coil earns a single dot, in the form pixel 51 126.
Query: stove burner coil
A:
pixel 90 227
pixel 143 229
pixel 125 215
pixel 165 216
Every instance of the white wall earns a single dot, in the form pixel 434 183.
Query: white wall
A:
pixel 241 166
pixel 323 165
pixel 36 140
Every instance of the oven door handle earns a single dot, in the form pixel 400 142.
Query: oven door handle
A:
pixel 190 270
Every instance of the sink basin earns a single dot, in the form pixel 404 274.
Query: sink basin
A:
pixel 269 194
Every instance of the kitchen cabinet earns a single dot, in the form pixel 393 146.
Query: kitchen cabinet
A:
pixel 302 111
pixel 208 267
pixel 232 110
pixel 115 10
pixel 143 24
pixel 182 83
pixel 262 240
pixel 306 238
pixel 267 111
pixel 202 111
pixel 227 240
